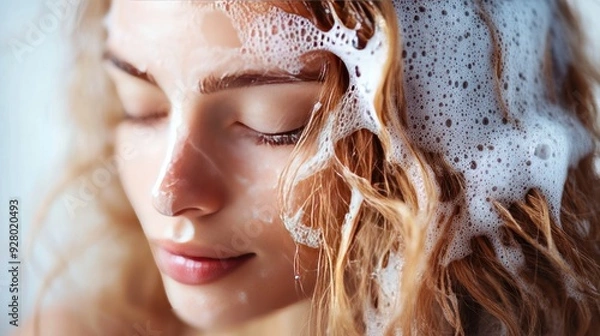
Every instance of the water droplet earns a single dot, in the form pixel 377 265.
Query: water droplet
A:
pixel 243 297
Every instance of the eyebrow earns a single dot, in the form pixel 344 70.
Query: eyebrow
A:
pixel 128 68
pixel 214 84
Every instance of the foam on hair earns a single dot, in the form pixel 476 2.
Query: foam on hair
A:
pixel 477 93
pixel 505 134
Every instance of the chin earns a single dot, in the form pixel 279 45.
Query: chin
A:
pixel 223 305
pixel 206 308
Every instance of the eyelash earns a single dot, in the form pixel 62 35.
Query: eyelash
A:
pixel 280 139
pixel 276 139
pixel 147 120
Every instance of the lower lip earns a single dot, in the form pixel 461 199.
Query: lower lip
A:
pixel 197 271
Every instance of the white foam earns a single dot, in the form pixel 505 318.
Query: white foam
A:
pixel 389 280
pixel 454 109
pixel 301 233
pixel 356 200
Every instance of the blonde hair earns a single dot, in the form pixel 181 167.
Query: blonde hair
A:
pixel 111 236
pixel 459 298
pixel 476 292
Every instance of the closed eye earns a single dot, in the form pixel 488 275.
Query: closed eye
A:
pixel 288 138
pixel 145 119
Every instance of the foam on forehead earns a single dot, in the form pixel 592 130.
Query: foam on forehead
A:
pixel 276 38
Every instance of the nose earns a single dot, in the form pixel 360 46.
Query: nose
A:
pixel 190 182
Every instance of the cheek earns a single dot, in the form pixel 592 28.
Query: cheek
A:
pixel 257 168
pixel 139 151
pixel 256 199
pixel 256 181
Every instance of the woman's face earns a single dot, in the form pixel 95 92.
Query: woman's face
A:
pixel 206 135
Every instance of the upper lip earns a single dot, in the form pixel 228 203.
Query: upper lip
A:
pixel 198 251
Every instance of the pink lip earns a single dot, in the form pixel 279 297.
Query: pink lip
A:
pixel 190 266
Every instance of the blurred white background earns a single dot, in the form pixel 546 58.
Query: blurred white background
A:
pixel 30 128
pixel 32 124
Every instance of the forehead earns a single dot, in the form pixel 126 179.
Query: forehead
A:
pixel 178 36
pixel 176 15
pixel 135 24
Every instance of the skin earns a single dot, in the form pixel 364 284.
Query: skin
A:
pixel 199 157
